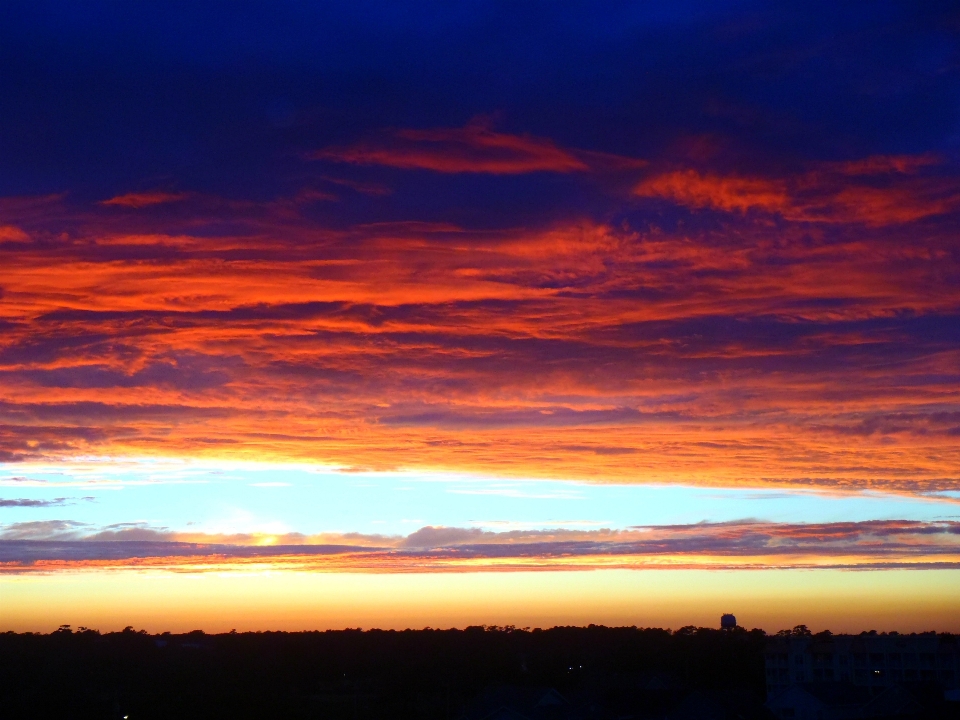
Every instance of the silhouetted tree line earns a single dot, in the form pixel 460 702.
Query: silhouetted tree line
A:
pixel 353 675
pixel 606 673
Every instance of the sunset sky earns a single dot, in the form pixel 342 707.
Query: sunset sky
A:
pixel 394 315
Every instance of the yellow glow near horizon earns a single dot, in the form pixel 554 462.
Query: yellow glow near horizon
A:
pixel 842 601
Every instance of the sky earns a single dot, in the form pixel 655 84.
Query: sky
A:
pixel 395 315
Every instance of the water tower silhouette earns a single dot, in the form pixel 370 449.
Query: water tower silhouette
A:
pixel 728 621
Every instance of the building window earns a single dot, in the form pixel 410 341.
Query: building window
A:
pixel 860 659
pixel 798 659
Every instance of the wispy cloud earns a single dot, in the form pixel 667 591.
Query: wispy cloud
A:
pixel 45 530
pixel 63 545
pixel 516 492
pixel 144 199
pixel 715 354
pixel 475 148
pixel 23 502
pixel 875 191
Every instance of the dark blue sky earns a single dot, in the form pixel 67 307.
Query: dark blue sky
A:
pixel 100 98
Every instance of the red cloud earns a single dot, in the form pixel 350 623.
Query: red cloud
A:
pixel 812 354
pixel 881 190
pixel 688 187
pixel 471 149
pixel 144 199
pixel 10 233
pixel 882 164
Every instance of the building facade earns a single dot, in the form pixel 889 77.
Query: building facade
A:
pixel 871 661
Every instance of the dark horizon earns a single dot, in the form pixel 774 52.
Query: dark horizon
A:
pixel 372 313
pixel 606 673
pixel 800 630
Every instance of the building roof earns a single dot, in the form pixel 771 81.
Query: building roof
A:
pixel 893 702
pixel 698 706
pixel 507 702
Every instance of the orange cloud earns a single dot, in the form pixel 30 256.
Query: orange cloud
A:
pixel 144 199
pixel 688 187
pixel 877 191
pixel 738 545
pixel 471 149
pixel 818 356
pixel 10 233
